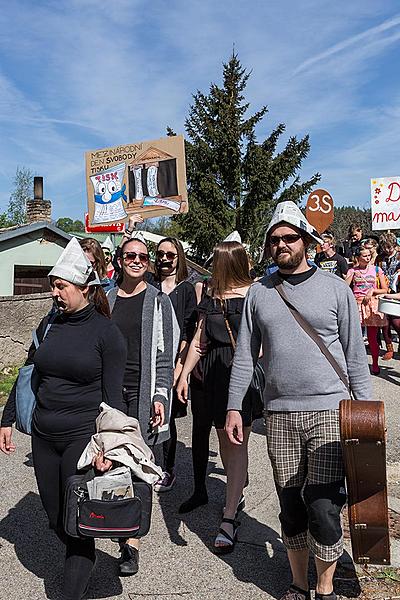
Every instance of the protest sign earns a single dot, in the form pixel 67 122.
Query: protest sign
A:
pixel 319 210
pixel 106 228
pixel 148 178
pixel 385 203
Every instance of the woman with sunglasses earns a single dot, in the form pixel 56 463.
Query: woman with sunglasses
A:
pixel 170 273
pixel 144 316
pixel 220 315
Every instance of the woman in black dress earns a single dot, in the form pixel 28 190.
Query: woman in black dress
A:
pixel 228 288
pixel 170 274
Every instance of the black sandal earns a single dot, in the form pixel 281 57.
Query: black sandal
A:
pixel 223 536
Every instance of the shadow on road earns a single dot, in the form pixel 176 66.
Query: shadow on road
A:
pixel 40 552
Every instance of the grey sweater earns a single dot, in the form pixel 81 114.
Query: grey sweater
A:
pixel 298 375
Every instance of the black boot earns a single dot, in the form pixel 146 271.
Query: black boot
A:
pixel 129 561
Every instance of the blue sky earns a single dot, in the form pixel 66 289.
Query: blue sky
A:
pixel 80 75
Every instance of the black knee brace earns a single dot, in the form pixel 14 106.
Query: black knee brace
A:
pixel 293 517
pixel 324 503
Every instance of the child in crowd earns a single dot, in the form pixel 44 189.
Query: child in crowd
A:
pixel 368 282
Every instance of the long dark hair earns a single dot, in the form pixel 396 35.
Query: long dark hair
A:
pixel 182 270
pixel 98 297
pixel 230 268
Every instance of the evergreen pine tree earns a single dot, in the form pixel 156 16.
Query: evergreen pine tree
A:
pixel 233 181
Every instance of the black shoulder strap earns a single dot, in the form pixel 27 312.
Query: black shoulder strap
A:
pixel 310 331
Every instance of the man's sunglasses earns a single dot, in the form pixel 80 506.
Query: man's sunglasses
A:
pixel 290 238
pixel 144 258
pixel 169 255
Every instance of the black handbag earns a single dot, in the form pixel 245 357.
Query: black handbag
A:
pixel 257 384
pixel 85 517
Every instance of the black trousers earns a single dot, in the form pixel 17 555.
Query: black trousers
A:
pixel 54 462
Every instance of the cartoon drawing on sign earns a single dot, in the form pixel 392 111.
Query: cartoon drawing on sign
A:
pixel 109 194
pixel 153 181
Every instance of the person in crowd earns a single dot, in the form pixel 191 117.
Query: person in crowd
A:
pixel 108 248
pixel 170 273
pixel 330 260
pixel 77 368
pixel 129 232
pixel 302 420
pixel 219 311
pixel 372 245
pixel 95 255
pixel 144 315
pixel 367 283
pixel 389 261
pixel 354 237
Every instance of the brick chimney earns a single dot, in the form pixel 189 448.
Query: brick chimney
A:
pixel 38 209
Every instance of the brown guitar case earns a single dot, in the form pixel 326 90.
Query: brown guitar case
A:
pixel 363 436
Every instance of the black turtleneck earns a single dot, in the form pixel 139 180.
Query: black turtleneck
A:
pixel 81 363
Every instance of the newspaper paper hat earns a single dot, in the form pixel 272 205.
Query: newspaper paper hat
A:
pixel 233 237
pixel 107 244
pixel 138 235
pixel 74 266
pixel 288 212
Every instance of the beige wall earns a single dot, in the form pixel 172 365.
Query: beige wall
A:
pixel 19 315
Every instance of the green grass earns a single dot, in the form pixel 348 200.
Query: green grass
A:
pixel 7 378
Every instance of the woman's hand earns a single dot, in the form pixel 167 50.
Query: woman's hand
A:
pixel 157 420
pixel 100 463
pixel 6 444
pixel 182 389
pixel 133 220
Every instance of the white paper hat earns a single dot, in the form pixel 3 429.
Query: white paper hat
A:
pixel 108 244
pixel 233 237
pixel 74 266
pixel 288 212
pixel 138 235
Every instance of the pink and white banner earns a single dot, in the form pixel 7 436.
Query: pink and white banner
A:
pixel 385 203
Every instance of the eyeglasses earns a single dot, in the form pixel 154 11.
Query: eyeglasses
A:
pixel 144 258
pixel 106 253
pixel 290 238
pixel 168 255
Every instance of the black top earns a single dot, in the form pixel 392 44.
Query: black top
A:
pixel 127 315
pixel 349 249
pixel 297 278
pixel 183 299
pixel 78 370
pixel 335 264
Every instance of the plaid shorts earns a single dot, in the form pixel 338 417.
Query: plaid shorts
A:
pixel 306 456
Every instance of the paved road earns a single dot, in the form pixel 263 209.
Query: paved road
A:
pixel 176 559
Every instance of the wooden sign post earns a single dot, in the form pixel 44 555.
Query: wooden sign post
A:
pixel 319 210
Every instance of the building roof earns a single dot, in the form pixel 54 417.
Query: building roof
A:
pixel 12 232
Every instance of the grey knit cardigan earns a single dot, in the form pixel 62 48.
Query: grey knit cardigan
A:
pixel 160 336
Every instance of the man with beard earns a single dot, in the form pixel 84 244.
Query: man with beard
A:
pixel 302 394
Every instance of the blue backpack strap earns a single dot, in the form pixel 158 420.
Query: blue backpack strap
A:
pixel 51 318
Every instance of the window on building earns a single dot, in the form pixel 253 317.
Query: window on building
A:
pixel 30 280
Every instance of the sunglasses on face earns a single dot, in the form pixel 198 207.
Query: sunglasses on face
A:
pixel 129 256
pixel 290 238
pixel 169 255
pixel 106 253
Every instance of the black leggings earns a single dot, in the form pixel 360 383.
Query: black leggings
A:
pixel 54 462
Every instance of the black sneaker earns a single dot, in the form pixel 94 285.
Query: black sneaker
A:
pixel 331 596
pixel 129 561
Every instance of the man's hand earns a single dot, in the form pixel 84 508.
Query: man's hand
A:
pixel 234 427
pixel 157 420
pixel 6 444
pixel 182 390
pixel 100 463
